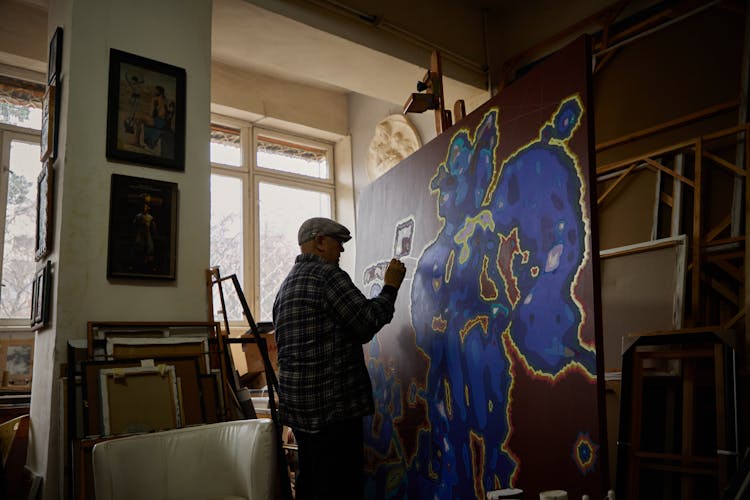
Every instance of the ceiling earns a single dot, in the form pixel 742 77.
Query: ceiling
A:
pixel 254 39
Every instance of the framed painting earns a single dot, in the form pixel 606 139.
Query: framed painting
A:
pixel 16 363
pixel 40 292
pixel 145 112
pixel 142 229
pixel 47 140
pixel 55 56
pixel 44 190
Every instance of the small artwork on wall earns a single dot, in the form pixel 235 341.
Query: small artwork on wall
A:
pixel 16 363
pixel 44 189
pixel 142 229
pixel 40 297
pixel 49 108
pixel 55 56
pixel 145 111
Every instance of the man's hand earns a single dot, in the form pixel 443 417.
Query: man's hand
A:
pixel 394 273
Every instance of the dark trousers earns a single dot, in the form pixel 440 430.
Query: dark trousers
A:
pixel 330 462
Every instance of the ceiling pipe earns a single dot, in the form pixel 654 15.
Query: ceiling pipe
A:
pixel 381 23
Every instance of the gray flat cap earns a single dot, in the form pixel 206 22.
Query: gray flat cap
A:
pixel 321 226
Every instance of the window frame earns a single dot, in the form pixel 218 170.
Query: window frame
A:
pixel 8 134
pixel 251 176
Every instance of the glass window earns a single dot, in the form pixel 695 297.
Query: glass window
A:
pixel 277 154
pixel 19 235
pixel 225 146
pixel 261 191
pixel 21 103
pixel 281 210
pixel 227 245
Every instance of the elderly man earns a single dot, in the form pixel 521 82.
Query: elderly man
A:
pixel 321 320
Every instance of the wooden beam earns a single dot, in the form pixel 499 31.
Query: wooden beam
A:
pixel 733 271
pixel 615 184
pixel 724 291
pixel 669 171
pixel 722 439
pixel 725 132
pixel 724 256
pixel 667 200
pixel 734 319
pixel 717 230
pixel 676 218
pixel 670 124
pixel 617 165
pixel 724 241
pixel 724 163
pixel 696 311
pixel 601 62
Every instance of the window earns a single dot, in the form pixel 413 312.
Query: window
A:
pixel 20 119
pixel 264 184
pixel 21 103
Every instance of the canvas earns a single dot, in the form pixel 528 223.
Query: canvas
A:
pixel 488 376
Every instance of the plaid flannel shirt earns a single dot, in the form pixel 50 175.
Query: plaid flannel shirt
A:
pixel 321 320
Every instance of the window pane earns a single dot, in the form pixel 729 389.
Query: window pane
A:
pixel 226 240
pixel 281 211
pixel 276 154
pixel 225 146
pixel 21 103
pixel 20 224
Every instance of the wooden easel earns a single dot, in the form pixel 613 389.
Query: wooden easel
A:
pixel 214 278
pixel 433 98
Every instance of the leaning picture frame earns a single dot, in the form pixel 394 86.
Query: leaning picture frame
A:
pixel 40 297
pixel 142 241
pixel 145 112
pixel 44 205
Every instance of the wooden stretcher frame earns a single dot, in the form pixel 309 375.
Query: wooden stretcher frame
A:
pixel 98 331
pixel 191 391
pixel 140 382
pixel 706 246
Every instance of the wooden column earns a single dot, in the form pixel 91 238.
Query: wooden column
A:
pixel 696 303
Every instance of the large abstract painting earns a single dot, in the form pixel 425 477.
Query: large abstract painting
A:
pixel 487 377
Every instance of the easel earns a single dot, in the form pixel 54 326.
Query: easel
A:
pixel 214 278
pixel 433 98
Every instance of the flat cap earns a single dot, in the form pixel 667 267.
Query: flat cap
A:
pixel 321 226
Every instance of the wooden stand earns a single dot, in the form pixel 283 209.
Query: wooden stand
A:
pixel 677 415
pixel 432 98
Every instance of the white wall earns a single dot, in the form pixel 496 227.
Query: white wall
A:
pixel 364 113
pixel 260 97
pixel 22 35
pixel 177 32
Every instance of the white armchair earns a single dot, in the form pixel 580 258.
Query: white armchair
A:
pixel 225 461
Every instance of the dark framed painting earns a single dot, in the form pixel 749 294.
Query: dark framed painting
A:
pixel 142 229
pixel 44 204
pixel 145 112
pixel 55 56
pixel 40 296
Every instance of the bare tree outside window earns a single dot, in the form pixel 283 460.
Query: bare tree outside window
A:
pixel 282 181
pixel 20 223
